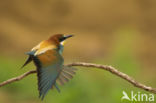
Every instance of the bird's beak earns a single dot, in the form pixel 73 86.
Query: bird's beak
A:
pixel 68 36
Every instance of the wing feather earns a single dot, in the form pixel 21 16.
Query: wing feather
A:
pixel 49 65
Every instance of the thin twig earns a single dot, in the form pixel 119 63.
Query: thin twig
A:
pixel 104 67
pixel 17 78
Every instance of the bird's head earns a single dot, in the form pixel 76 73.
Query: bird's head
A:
pixel 59 38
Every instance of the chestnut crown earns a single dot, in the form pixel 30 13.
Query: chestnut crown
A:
pixel 58 38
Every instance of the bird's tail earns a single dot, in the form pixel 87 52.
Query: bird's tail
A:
pixel 66 74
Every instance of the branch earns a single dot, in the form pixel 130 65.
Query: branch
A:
pixel 17 78
pixel 104 67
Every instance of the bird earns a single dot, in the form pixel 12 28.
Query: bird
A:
pixel 48 59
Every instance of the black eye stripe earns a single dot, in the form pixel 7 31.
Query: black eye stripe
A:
pixel 65 37
pixel 62 39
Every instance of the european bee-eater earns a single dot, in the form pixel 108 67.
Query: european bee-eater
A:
pixel 47 57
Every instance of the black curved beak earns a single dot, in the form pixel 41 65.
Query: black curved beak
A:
pixel 68 36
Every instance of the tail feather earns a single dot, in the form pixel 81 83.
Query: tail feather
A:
pixel 66 74
pixel 69 76
pixel 64 78
pixel 56 86
pixel 70 70
pixel 60 81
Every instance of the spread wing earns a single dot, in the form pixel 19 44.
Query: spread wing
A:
pixel 49 65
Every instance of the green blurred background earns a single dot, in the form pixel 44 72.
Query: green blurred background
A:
pixel 121 33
